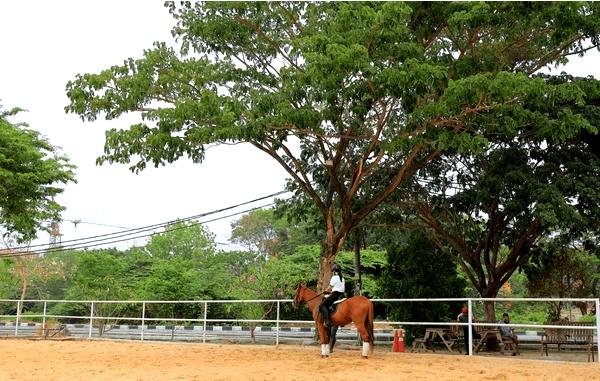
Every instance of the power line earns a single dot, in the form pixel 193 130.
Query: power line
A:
pixel 142 229
pixel 108 241
pixel 77 222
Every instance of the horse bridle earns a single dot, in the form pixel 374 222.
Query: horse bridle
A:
pixel 314 297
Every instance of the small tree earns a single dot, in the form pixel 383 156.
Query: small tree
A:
pixel 266 279
pixel 100 275
pixel 419 269
pixel 32 173
pixel 563 271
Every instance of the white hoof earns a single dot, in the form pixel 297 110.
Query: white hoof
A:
pixel 365 350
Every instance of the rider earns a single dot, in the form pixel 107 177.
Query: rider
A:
pixel 337 287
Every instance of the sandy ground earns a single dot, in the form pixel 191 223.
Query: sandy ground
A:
pixel 107 360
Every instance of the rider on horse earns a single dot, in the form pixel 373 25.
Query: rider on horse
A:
pixel 337 287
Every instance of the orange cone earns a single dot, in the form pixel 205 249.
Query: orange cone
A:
pixel 398 341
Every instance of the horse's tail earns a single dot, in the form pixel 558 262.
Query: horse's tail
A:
pixel 369 325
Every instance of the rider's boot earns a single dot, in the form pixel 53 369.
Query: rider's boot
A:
pixel 325 314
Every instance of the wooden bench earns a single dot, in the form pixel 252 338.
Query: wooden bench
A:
pixel 54 331
pixel 421 343
pixel 492 339
pixel 510 343
pixel 569 337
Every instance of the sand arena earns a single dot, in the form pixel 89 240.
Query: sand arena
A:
pixel 28 360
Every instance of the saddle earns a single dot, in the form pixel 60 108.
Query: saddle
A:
pixel 332 308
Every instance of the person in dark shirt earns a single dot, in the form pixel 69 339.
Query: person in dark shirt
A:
pixel 463 317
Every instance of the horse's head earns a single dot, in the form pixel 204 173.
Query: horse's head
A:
pixel 298 296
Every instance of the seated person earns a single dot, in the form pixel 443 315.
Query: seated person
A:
pixel 505 331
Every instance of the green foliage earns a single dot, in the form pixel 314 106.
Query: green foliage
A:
pixel 182 264
pixel 372 262
pixel 419 269
pixel 531 317
pixel 537 176
pixel 561 271
pixel 172 279
pixel 588 319
pixel 256 231
pixel 187 240
pixel 101 275
pixel 32 173
pixel 8 283
pixel 370 93
pixel 268 233
pixel 266 279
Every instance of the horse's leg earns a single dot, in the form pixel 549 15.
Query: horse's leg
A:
pixel 332 337
pixel 364 334
pixel 323 335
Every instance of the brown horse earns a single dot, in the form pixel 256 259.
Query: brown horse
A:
pixel 356 309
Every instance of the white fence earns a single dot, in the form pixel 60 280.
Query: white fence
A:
pixel 144 320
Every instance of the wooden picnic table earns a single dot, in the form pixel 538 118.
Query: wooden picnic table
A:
pixel 486 334
pixel 443 334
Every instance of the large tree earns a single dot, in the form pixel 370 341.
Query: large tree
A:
pixel 538 176
pixel 334 92
pixel 32 173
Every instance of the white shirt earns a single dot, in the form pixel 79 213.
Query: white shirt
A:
pixel 337 284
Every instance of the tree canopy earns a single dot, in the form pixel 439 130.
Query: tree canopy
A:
pixel 32 173
pixel 340 94
pixel 537 176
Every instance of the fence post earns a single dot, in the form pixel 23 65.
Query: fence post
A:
pixel 204 323
pixel 18 319
pixel 277 334
pixel 143 318
pixel 91 320
pixel 470 304
pixel 598 328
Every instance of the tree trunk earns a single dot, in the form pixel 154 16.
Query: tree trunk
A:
pixel 325 264
pixel 489 307
pixel 252 327
pixel 23 293
pixel 331 246
pixel 357 273
pixel 490 311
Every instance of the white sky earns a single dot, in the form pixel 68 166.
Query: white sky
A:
pixel 44 44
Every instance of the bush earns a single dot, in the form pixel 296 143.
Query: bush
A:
pixel 535 317
pixel 587 319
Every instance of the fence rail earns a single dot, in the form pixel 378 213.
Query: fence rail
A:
pixel 144 319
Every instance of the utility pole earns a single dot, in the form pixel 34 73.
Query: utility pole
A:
pixel 55 236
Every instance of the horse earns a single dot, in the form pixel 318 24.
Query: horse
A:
pixel 357 309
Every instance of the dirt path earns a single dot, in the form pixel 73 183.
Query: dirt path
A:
pixel 25 360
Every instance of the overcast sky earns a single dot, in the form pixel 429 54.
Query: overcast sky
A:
pixel 44 44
